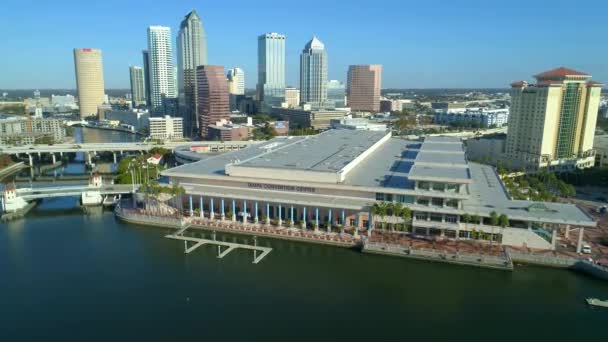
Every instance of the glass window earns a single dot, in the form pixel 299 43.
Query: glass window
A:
pixel 436 217
pixel 452 187
pixel 424 185
pixel 405 199
pixel 423 201
pixel 379 196
pixel 439 186
pixel 437 202
pixel 451 218
pixel 452 203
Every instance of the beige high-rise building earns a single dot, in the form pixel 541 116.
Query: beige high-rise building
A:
pixel 363 87
pixel 552 123
pixel 89 80
pixel 292 97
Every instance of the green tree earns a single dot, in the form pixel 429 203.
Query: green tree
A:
pixel 503 220
pixel 494 218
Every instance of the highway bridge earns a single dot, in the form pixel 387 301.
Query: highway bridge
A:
pixel 91 149
pixel 94 193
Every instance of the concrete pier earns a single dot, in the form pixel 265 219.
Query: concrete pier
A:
pixel 231 246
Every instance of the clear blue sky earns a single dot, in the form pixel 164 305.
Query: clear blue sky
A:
pixel 421 44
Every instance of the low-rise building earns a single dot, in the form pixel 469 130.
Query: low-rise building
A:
pixel 166 128
pixel 138 119
pixel 334 179
pixel 28 130
pixel 302 118
pixel 358 124
pixel 227 131
pixel 474 117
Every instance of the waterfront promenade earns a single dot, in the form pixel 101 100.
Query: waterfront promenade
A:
pixel 397 244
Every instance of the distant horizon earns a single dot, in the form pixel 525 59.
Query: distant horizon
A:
pixel 430 45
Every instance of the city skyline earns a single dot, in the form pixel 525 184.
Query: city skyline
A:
pixel 426 58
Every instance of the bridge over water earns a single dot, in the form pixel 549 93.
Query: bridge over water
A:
pixel 91 149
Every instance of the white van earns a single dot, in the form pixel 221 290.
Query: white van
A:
pixel 586 249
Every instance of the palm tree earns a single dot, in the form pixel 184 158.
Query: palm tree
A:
pixel 406 214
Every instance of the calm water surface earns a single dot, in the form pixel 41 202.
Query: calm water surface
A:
pixel 65 276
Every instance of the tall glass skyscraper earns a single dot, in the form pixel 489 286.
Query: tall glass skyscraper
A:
pixel 313 73
pixel 138 94
pixel 146 58
pixel 271 69
pixel 191 53
pixel 162 72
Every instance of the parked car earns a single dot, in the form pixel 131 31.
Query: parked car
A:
pixel 586 249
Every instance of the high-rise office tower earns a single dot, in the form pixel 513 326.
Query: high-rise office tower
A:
pixel 236 81
pixel 191 52
pixel 146 58
pixel 212 99
pixel 313 73
pixel 552 123
pixel 363 87
pixel 162 78
pixel 89 80
pixel 138 92
pixel 271 70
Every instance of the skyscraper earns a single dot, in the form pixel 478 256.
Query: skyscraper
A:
pixel 213 102
pixel 138 93
pixel 363 87
pixel 191 52
pixel 552 123
pixel 162 78
pixel 313 73
pixel 89 80
pixel 271 69
pixel 236 81
pixel 146 58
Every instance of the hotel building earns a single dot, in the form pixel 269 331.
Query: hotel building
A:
pixel 552 123
pixel 333 179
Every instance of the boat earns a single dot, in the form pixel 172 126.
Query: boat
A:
pixel 597 302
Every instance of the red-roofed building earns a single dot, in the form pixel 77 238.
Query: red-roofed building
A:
pixel 155 159
pixel 561 73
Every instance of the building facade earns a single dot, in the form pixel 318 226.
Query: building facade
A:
pixel 147 86
pixel 552 123
pixel 162 72
pixel 318 119
pixel 213 97
pixel 236 81
pixel 313 73
pixel 24 130
pixel 336 93
pixel 482 118
pixel 191 53
pixel 271 70
pixel 166 128
pixel 138 89
pixel 363 87
pixel 292 97
pixel 89 80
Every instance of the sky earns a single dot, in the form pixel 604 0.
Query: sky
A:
pixel 421 44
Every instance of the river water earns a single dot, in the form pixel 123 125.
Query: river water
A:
pixel 66 276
